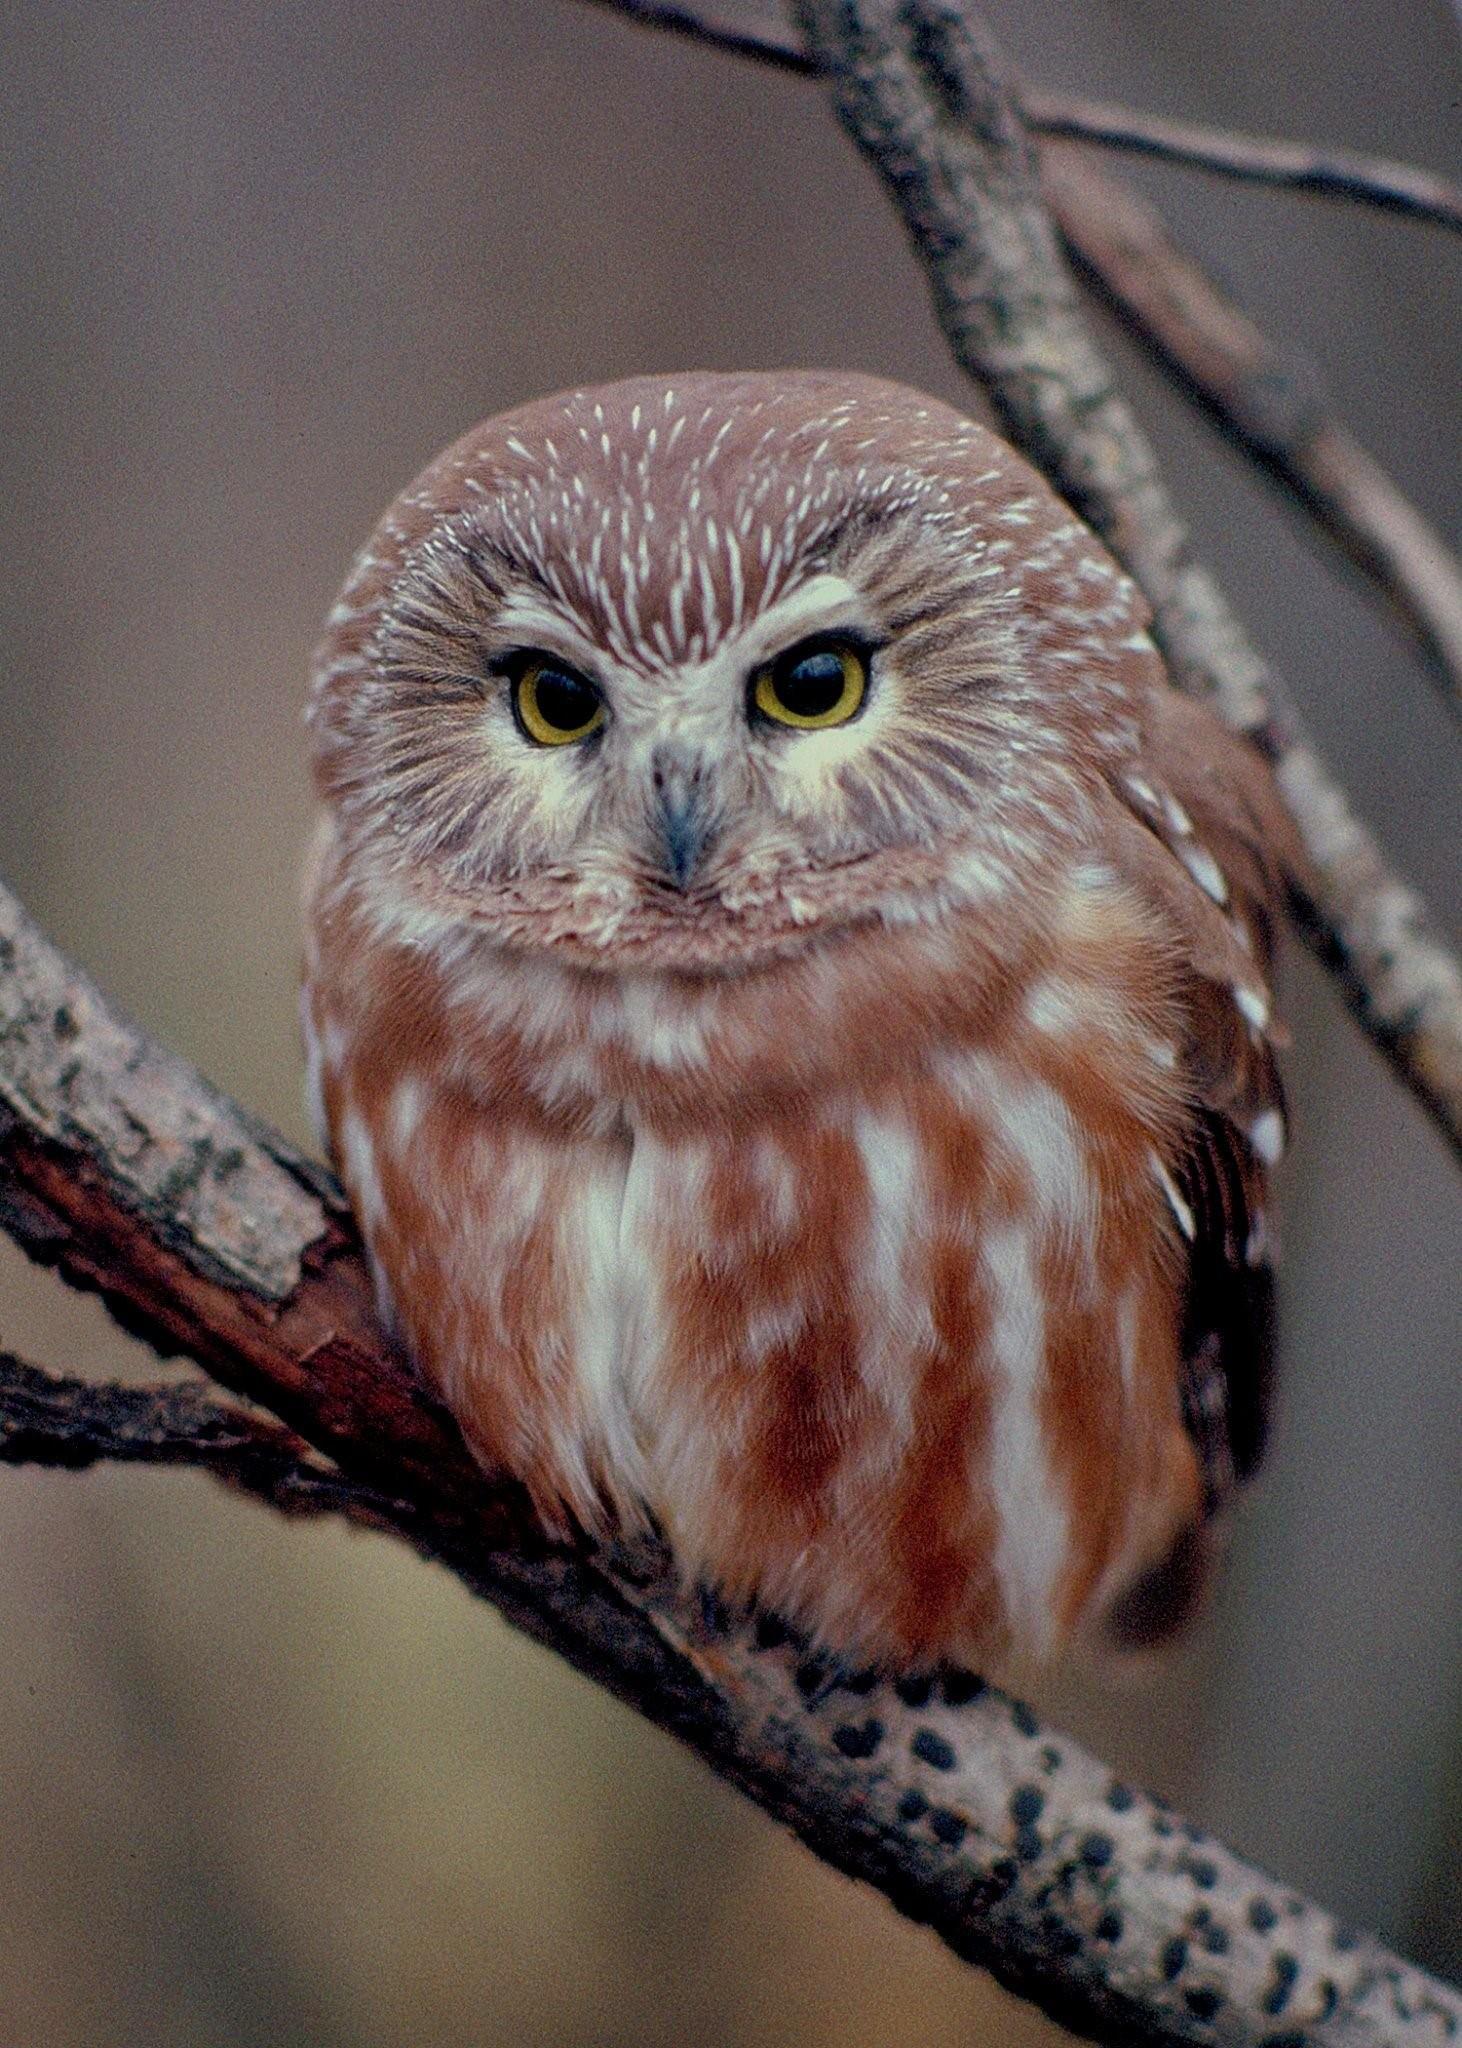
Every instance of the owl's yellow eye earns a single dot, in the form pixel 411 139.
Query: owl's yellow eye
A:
pixel 553 706
pixel 819 684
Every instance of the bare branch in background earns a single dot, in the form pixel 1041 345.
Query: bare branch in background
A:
pixel 119 1166
pixel 1272 405
pixel 1257 159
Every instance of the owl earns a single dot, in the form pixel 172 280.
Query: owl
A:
pixel 787 993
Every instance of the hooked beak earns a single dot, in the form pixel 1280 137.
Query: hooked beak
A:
pixel 682 815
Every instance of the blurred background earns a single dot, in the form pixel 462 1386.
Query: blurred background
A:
pixel 267 1783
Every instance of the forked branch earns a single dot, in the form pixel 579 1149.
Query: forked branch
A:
pixel 1270 404
pixel 1266 401
pixel 922 89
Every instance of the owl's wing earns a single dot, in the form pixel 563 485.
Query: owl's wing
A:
pixel 1214 842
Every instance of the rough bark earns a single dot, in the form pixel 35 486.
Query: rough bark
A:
pixel 922 90
pixel 1271 403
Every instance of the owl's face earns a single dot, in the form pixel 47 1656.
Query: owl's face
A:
pixel 688 673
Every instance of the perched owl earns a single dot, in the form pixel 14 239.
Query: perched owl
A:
pixel 787 994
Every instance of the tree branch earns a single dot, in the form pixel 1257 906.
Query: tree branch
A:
pixel 1272 406
pixel 939 122
pixel 57 1420
pixel 1257 159
pixel 205 1233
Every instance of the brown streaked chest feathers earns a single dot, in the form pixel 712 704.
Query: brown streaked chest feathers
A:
pixel 860 1275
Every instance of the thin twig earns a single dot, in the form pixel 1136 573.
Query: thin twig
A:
pixel 1258 159
pixel 1272 405
pixel 58 1420
pixel 119 1166
pixel 920 88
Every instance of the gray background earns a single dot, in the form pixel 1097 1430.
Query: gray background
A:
pixel 266 1783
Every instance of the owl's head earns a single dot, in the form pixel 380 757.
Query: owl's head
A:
pixel 691 671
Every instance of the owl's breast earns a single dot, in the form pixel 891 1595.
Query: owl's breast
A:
pixel 908 1368
pixel 904 1369
pixel 890 1344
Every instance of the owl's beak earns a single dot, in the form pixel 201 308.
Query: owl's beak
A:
pixel 682 815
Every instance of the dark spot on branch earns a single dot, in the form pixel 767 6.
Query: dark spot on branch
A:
pixel 947 1827
pixel 858 1740
pixel 962 1688
pixel 1286 1976
pixel 1027 1804
pixel 931 1748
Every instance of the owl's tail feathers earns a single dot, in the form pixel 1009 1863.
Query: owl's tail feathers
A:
pixel 1160 1603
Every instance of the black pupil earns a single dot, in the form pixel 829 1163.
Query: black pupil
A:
pixel 810 686
pixel 564 702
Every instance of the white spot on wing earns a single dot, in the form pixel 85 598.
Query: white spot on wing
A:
pixel 1252 1006
pixel 1055 1007
pixel 358 1162
pixel 1127 1338
pixel 1266 1135
pixel 408 1100
pixel 1186 1220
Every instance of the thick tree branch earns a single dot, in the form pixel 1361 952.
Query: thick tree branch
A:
pixel 920 87
pixel 1257 159
pixel 1271 405
pixel 120 1167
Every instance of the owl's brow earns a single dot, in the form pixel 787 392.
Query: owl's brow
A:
pixel 495 563
pixel 853 524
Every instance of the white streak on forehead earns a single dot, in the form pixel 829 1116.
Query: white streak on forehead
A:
pixel 823 600
pixel 524 616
